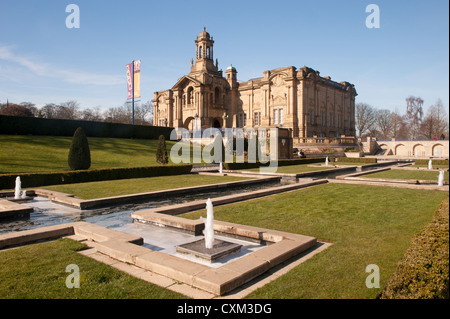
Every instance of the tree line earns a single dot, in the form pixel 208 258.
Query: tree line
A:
pixel 416 123
pixel 71 110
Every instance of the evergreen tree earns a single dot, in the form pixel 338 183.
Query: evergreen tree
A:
pixel 161 152
pixel 79 153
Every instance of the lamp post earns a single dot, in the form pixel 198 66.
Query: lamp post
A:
pixel 196 119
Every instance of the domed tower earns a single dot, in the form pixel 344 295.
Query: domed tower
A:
pixel 204 56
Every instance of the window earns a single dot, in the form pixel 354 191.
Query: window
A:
pixel 257 119
pixel 323 118
pixel 331 119
pixel 245 119
pixel 275 116
pixel 311 118
pixel 190 95
pixel 217 96
pixel 280 117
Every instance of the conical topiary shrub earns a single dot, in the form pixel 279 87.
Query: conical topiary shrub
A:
pixel 161 152
pixel 79 153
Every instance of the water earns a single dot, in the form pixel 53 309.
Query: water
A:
pixel 47 213
pixel 165 240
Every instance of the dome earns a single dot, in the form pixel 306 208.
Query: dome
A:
pixel 204 35
pixel 231 67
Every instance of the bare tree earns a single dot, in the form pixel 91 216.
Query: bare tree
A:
pixel 435 123
pixel 399 127
pixel 49 111
pixel 143 113
pixel 383 121
pixel 32 107
pixel 365 117
pixel 94 114
pixel 69 110
pixel 414 114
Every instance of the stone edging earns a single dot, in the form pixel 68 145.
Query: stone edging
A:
pixel 127 248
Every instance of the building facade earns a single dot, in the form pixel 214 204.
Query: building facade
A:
pixel 298 99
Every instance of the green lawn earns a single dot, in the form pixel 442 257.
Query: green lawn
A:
pixel 366 224
pixel 29 154
pixel 408 174
pixel 139 185
pixel 39 272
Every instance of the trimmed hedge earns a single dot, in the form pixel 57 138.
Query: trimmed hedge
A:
pixel 423 272
pixel 7 181
pixel 17 125
pixel 362 160
pixel 434 161
pixel 281 162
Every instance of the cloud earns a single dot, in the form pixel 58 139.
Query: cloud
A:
pixel 47 70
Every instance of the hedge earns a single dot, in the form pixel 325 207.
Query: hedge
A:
pixel 281 162
pixel 17 125
pixel 362 160
pixel 7 181
pixel 423 272
pixel 433 161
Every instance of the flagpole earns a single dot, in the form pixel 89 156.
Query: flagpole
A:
pixel 132 97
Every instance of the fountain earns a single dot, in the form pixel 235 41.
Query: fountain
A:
pixel 441 178
pixel 19 195
pixel 430 164
pixel 18 189
pixel 209 248
pixel 209 225
pixel 326 161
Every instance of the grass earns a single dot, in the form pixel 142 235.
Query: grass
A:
pixel 139 185
pixel 423 272
pixel 408 174
pixel 39 272
pixel 366 224
pixel 30 154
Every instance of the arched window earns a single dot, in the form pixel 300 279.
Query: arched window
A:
pixel 190 95
pixel 200 52
pixel 217 96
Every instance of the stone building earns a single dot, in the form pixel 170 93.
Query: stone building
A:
pixel 298 99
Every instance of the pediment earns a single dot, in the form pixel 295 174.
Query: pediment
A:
pixel 185 81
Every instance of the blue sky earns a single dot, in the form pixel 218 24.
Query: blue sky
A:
pixel 42 61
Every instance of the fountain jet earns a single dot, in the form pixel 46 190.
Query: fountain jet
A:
pixel 18 189
pixel 441 178
pixel 209 225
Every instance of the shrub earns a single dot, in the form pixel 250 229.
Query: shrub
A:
pixel 79 153
pixel 423 272
pixel 7 181
pixel 19 125
pixel 281 162
pixel 161 152
pixel 434 161
pixel 362 160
